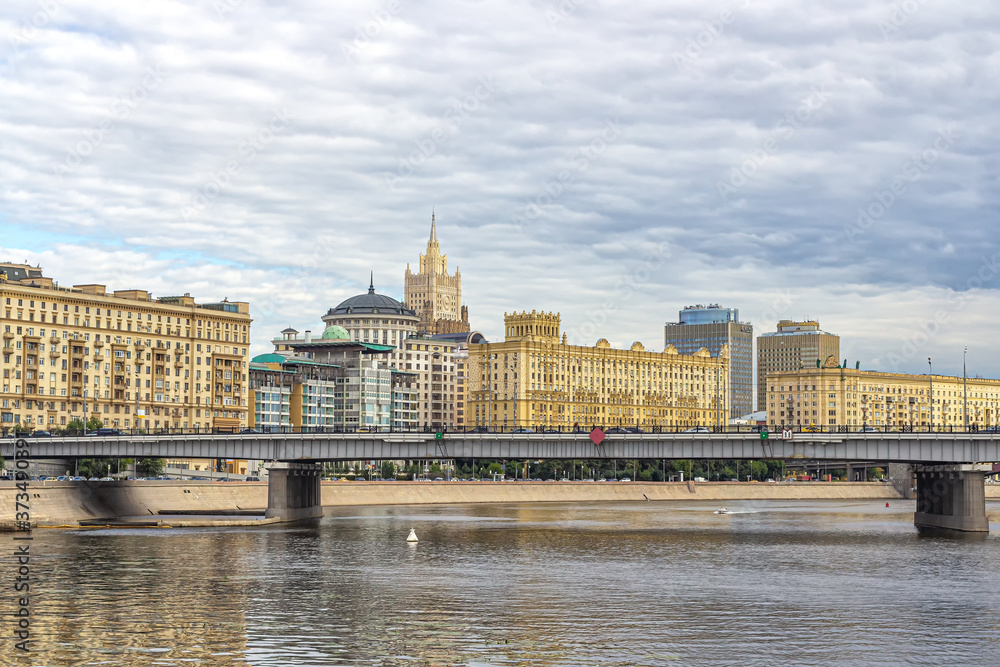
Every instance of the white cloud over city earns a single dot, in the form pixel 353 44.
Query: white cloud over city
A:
pixel 611 161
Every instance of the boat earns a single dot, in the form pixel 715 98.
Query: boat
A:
pixel 723 510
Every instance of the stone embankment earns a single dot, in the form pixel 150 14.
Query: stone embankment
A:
pixel 69 502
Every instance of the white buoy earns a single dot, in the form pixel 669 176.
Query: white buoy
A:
pixel 412 537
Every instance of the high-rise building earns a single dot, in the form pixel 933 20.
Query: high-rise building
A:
pixel 713 328
pixel 433 295
pixel 794 346
pixel 377 319
pixel 535 379
pixel 124 357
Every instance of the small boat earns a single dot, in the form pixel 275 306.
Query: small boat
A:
pixel 723 510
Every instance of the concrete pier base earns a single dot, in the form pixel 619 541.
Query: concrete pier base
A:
pixel 293 491
pixel 952 498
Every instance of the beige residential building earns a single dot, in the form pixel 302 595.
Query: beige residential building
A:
pixel 534 379
pixel 850 398
pixel 794 346
pixel 433 295
pixel 124 357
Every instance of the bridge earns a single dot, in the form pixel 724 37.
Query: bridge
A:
pixel 949 467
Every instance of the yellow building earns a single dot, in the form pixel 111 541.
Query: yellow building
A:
pixel 536 380
pixel 795 345
pixel 435 296
pixel 845 397
pixel 81 352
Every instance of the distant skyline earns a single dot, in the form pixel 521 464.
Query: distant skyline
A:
pixel 612 163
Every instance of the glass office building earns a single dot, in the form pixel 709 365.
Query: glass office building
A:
pixel 711 327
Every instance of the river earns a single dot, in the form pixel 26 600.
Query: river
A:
pixel 652 583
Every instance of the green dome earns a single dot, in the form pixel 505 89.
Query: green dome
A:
pixel 335 332
pixel 268 359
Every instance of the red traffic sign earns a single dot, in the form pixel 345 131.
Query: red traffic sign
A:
pixel 597 435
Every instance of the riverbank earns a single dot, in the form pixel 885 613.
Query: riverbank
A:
pixel 61 503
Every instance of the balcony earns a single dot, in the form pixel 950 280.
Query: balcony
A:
pixel 7 349
pixel 7 335
pixel 98 343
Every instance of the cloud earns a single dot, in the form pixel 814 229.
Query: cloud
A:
pixel 187 185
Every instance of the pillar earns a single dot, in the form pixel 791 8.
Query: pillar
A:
pixel 293 491
pixel 952 497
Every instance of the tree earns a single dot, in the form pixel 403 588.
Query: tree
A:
pixel 388 470
pixel 75 426
pixel 94 423
pixel 151 467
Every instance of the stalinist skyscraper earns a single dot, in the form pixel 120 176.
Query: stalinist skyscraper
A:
pixel 433 294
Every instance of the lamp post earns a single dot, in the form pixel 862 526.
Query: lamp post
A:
pixel 930 375
pixel 965 393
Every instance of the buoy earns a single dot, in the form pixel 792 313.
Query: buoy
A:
pixel 887 504
pixel 412 537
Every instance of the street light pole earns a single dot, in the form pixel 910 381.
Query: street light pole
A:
pixel 965 393
pixel 930 375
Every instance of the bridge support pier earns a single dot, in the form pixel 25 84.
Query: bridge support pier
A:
pixel 293 491
pixel 952 498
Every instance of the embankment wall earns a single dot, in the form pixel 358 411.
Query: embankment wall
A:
pixel 68 502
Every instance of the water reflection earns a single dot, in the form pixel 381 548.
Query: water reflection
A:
pixel 587 584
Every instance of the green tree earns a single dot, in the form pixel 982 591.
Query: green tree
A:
pixel 388 470
pixel 151 467
pixel 94 423
pixel 75 426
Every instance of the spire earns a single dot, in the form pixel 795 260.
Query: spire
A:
pixel 371 283
pixel 434 237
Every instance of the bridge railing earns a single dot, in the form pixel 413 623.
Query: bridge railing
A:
pixel 775 429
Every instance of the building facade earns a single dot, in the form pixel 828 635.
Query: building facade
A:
pixel 462 341
pixel 433 295
pixel 851 398
pixel 534 379
pixel 794 346
pixel 713 328
pixel 122 356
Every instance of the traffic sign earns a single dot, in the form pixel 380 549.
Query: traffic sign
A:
pixel 597 435
pixel 439 436
pixel 763 435
pixel 787 434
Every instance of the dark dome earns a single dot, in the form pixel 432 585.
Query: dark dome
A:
pixel 371 303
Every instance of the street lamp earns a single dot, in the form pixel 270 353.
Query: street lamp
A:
pixel 965 393
pixel 930 375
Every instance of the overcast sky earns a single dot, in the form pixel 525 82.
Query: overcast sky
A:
pixel 612 161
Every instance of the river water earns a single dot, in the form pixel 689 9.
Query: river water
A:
pixel 654 583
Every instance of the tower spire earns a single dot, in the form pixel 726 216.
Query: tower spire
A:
pixel 434 237
pixel 371 283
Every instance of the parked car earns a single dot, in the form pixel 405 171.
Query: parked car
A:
pixel 108 431
pixel 481 429
pixel 868 429
pixel 523 430
pixel 41 434
pixel 698 429
pixel 812 428
pixel 249 430
pixel 253 479
pixel 625 479
pixel 634 429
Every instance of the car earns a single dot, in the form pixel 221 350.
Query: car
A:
pixel 697 429
pixel 436 479
pixel 868 429
pixel 634 429
pixel 41 434
pixel 62 478
pixel 106 479
pixel 253 479
pixel 523 430
pixel 812 428
pixel 770 480
pixel 625 479
pixel 108 431
pixel 564 479
pixel 551 430
pixel 481 429
pixel 93 479
pixel 733 479
pixel 250 430
pixel 616 429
